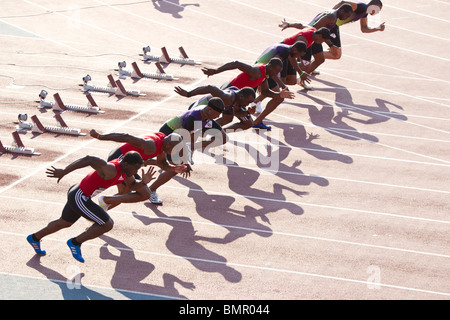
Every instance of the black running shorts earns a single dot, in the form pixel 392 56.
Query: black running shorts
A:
pixel 78 205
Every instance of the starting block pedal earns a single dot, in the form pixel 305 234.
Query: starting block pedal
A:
pixel 136 72
pixel 121 91
pixel 165 58
pixel 17 147
pixel 61 127
pixel 114 87
pixel 59 105
pixel 111 88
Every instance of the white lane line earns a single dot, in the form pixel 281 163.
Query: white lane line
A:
pixel 76 149
pixel 384 44
pixel 306 204
pixel 418 13
pixel 133 14
pixel 314 205
pixel 367 140
pixel 277 172
pixel 121 291
pixel 257 267
pixel 271 232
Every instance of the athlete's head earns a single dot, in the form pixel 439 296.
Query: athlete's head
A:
pixel 274 67
pixel 321 35
pixel 214 108
pixel 245 96
pixel 374 7
pixel 131 163
pixel 170 142
pixel 345 11
pixel 298 49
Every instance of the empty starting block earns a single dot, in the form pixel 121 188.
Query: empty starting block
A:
pixel 17 147
pixel 37 126
pixel 113 87
pixel 165 58
pixel 136 72
pixel 59 105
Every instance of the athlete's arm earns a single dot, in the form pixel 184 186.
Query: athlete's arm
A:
pixel 325 20
pixel 209 89
pixel 161 161
pixel 148 146
pixel 254 72
pixel 353 4
pixel 267 92
pixel 284 25
pixel 104 169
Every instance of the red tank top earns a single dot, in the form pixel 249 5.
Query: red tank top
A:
pixel 307 33
pixel 157 137
pixel 93 182
pixel 243 79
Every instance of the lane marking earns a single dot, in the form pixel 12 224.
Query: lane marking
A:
pixel 264 268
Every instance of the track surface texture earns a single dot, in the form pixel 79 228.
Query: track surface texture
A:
pixel 346 198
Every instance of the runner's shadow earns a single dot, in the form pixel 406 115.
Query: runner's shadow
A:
pixel 217 209
pixel 273 156
pixel 172 7
pixel 296 136
pixel 241 180
pixel 71 289
pixel 323 114
pixel 182 242
pixel 130 272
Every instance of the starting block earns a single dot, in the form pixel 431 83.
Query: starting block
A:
pixel 17 147
pixel 121 91
pixel 37 126
pixel 59 105
pixel 136 72
pixel 113 87
pixel 165 58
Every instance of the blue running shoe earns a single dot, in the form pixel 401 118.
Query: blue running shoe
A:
pixel 36 245
pixel 262 126
pixel 76 250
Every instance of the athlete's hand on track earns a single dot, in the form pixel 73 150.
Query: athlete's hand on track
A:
pixel 285 93
pixel 305 78
pixel 186 170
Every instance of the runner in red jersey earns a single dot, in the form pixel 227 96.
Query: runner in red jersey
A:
pixel 79 202
pixel 254 76
pixel 149 146
pixel 310 36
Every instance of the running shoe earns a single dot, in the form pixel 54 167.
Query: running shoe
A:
pixel 154 198
pixel 262 126
pixel 75 250
pixel 258 108
pixel 102 203
pixel 36 245
pixel 304 85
